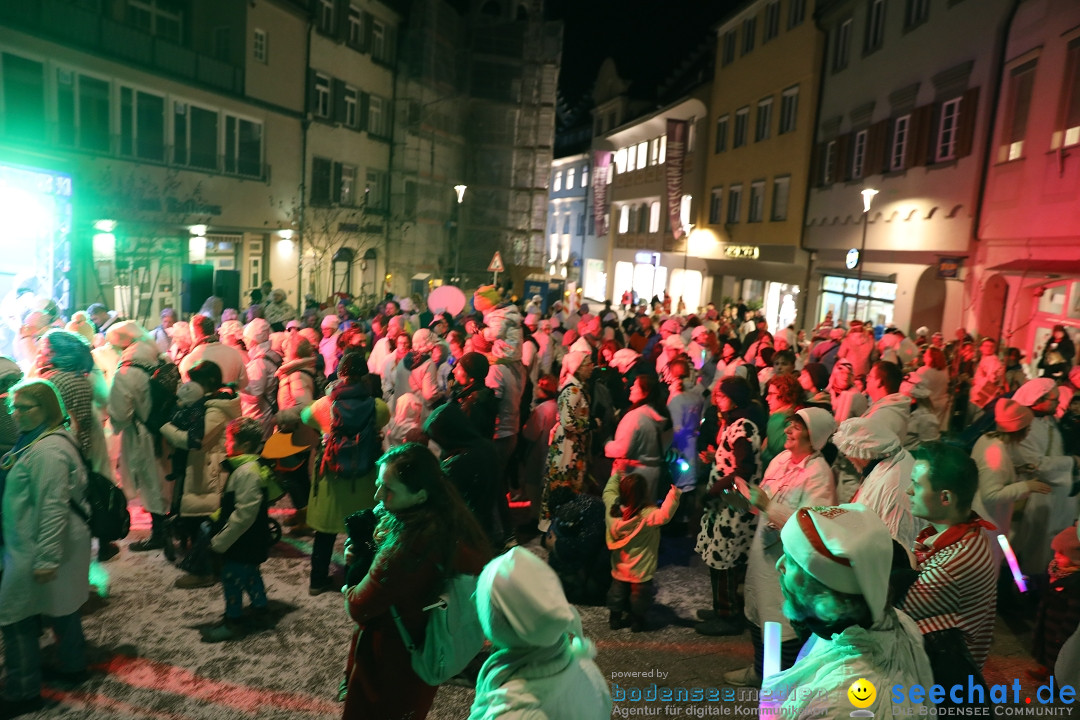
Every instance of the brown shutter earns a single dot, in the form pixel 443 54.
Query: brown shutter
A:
pixel 365 103
pixel 337 100
pixel 965 132
pixel 842 167
pixel 877 142
pixel 920 137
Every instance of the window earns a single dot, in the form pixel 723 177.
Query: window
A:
pixel 1021 80
pixel 642 154
pixel 841 45
pixel 742 119
pixel 356 26
pixel 757 200
pixel 858 155
pixel 556 184
pixel 325 16
pixel 764 120
pixel 320 181
pixel 24 98
pixel 243 146
pixel 796 13
pixel 259 46
pixel 620 160
pixel 721 134
pixel 382 43
pixel 875 25
pixel 378 116
pixel 749 30
pixel 734 204
pixel 1070 124
pixel 322 96
pixel 195 136
pixel 142 125
pixel 624 219
pixel 898 147
pixel 728 52
pixel 945 149
pixel 161 18
pixel 346 184
pixel 585 176
pixel 631 158
pixel 716 201
pixel 684 209
pixel 375 190
pixel 654 151
pixel 570 173
pixel 781 188
pixel 829 172
pixel 654 216
pixel 83 105
pixel 789 108
pixel 772 22
pixel 916 13
pixel 663 149
pixel 352 104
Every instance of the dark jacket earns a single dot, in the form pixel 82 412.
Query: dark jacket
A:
pixel 479 404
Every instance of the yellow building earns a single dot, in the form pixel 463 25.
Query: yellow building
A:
pixel 761 135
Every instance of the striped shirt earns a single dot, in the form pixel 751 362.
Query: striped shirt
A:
pixel 956 585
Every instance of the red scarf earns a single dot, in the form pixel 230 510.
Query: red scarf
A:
pixel 949 537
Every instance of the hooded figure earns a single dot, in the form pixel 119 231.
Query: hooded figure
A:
pixel 407 421
pixel 543 663
pixel 885 465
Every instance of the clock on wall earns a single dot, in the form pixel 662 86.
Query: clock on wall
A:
pixel 852 259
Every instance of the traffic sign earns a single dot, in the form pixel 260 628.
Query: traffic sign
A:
pixel 496 263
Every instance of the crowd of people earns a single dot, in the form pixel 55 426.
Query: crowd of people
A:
pixel 847 483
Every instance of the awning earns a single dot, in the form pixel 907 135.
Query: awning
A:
pixel 1039 266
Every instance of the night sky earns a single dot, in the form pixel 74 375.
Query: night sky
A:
pixel 645 37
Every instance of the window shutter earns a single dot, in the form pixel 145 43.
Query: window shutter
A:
pixel 335 193
pixel 842 168
pixel 313 102
pixel 337 100
pixel 920 137
pixel 877 143
pixel 365 106
pixel 965 132
pixel 341 20
pixel 366 42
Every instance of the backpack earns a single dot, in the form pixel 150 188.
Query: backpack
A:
pixel 109 518
pixel 453 636
pixel 351 449
pixel 164 381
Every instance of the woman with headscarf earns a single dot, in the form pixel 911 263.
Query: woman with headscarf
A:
pixel 424 536
pixel 569 448
pixel 46 545
pixel 726 530
pixel 543 664
pixel 407 425
pixel 797 477
pixel 342 485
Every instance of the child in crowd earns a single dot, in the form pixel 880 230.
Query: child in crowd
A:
pixel 190 416
pixel 1059 610
pixel 633 536
pixel 243 530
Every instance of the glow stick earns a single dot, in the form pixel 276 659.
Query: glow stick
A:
pixel 1014 566
pixel 771 663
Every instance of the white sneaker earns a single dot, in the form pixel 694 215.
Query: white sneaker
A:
pixel 746 677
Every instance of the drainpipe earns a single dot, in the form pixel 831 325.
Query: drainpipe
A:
pixel 988 145
pixel 812 255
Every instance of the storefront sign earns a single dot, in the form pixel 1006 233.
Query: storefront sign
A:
pixel 852 260
pixel 675 157
pixel 948 267
pixel 742 252
pixel 600 170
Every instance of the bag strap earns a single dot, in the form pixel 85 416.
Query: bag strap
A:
pixel 405 637
pixel 75 507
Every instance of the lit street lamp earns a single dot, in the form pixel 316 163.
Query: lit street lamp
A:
pixel 460 190
pixel 867 198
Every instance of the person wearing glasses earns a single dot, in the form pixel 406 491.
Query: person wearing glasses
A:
pixel 46 553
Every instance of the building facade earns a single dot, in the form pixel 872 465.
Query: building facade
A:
pixel 573 252
pixel 913 125
pixel 758 152
pixel 1025 277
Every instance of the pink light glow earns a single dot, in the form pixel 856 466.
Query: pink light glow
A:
pixel 1014 566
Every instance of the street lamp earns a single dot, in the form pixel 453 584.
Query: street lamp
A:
pixel 460 190
pixel 867 198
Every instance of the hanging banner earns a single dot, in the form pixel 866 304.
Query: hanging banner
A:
pixel 600 170
pixel 676 154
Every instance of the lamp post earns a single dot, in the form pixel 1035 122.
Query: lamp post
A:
pixel 460 190
pixel 867 198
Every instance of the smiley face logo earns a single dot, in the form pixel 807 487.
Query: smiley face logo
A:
pixel 862 693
